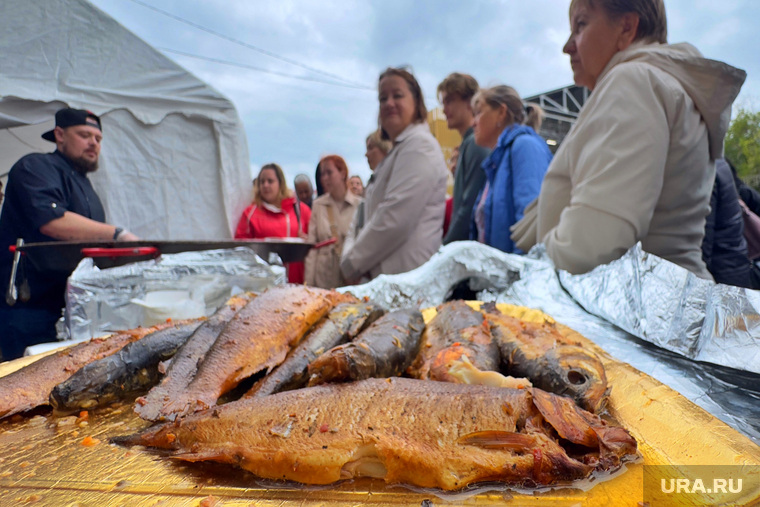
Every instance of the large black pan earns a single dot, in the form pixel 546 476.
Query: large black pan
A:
pixel 63 256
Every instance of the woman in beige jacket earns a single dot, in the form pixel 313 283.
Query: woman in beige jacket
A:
pixel 639 164
pixel 405 204
pixel 331 215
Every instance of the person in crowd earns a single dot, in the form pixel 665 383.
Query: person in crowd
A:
pixel 318 179
pixel 724 248
pixel 304 190
pixel 273 214
pixel 515 167
pixel 377 149
pixel 49 198
pixel 356 185
pixel 638 165
pixel 405 203
pixel 452 167
pixel 749 195
pixel 456 93
pixel 331 217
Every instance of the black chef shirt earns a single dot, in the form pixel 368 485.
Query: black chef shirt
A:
pixel 42 187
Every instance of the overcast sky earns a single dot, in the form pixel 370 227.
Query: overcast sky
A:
pixel 287 52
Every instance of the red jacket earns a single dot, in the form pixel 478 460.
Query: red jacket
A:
pixel 265 221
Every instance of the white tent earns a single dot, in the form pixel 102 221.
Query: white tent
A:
pixel 174 160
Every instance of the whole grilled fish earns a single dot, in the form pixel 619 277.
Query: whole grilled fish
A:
pixel 342 324
pixel 549 360
pixel 30 386
pixel 257 338
pixel 184 364
pixel 131 369
pixel 424 433
pixel 456 330
pixel 384 349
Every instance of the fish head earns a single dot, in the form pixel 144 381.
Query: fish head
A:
pixel 579 374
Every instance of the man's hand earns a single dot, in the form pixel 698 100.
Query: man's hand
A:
pixel 125 235
pixel 74 227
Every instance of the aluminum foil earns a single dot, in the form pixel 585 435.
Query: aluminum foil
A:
pixel 101 301
pixel 698 337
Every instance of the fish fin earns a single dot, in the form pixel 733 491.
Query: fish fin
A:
pixel 570 421
pixel 218 455
pixel 496 439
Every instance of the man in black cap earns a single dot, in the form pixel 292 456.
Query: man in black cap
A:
pixel 47 198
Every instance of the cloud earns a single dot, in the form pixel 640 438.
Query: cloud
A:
pixel 294 122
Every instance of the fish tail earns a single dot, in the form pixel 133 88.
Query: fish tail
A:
pixel 160 436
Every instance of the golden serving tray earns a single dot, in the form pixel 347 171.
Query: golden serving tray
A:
pixel 43 460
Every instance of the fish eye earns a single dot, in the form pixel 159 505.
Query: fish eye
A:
pixel 576 378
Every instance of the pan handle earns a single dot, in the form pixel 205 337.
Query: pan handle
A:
pixel 326 242
pixel 138 251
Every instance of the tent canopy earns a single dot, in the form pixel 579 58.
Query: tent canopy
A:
pixel 174 160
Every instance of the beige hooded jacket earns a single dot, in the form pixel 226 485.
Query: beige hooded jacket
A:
pixel 639 163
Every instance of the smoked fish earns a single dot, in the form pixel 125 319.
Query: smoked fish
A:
pixel 257 338
pixel 456 330
pixel 30 386
pixel 417 432
pixel 133 368
pixel 549 360
pixel 184 364
pixel 384 349
pixel 342 324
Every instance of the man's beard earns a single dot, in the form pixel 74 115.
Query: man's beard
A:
pixel 84 166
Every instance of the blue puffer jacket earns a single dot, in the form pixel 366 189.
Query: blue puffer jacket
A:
pixel 514 171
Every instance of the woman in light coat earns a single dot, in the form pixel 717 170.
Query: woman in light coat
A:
pixel 331 215
pixel 639 164
pixel 405 203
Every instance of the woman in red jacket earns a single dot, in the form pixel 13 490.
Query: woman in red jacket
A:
pixel 273 215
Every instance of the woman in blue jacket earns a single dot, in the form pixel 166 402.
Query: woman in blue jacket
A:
pixel 515 168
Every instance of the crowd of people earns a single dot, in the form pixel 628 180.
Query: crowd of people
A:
pixel 637 166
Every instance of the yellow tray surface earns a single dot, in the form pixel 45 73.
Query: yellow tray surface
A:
pixel 43 460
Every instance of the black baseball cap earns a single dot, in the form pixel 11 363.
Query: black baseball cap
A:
pixel 70 117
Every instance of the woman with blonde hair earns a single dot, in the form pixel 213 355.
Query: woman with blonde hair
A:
pixel 332 213
pixel 273 215
pixel 377 149
pixel 514 169
pixel 639 163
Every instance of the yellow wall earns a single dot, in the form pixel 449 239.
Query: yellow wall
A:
pixel 447 138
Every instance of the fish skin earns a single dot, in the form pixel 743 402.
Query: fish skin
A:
pixel 384 349
pixel 456 330
pixel 30 386
pixel 130 369
pixel 423 433
pixel 184 364
pixel 257 338
pixel 549 360
pixel 342 324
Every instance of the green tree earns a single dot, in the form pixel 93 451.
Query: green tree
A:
pixel 742 145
